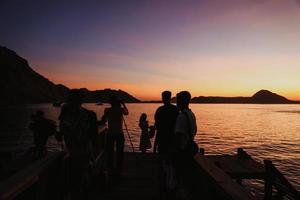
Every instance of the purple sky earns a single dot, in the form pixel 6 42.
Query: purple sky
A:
pixel 224 47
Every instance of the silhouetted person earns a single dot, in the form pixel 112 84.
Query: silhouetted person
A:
pixel 185 131
pixel 78 126
pixel 186 127
pixel 114 117
pixel 165 119
pixel 145 142
pixel 42 128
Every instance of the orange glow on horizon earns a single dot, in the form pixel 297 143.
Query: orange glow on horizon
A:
pixel 150 92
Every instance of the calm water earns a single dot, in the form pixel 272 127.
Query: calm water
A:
pixel 264 131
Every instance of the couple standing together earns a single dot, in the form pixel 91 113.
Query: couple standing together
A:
pixel 175 125
pixel 176 128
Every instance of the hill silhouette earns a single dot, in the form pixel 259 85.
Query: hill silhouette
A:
pixel 260 97
pixel 265 96
pixel 21 84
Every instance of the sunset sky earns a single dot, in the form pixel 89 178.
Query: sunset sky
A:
pixel 209 47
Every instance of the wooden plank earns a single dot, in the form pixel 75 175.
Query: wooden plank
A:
pixel 139 178
pixel 280 182
pixel 25 178
pixel 221 180
pixel 238 168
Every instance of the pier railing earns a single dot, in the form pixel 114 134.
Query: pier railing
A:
pixel 274 179
pixel 225 174
pixel 33 182
pixel 216 176
pixel 46 177
pixel 216 184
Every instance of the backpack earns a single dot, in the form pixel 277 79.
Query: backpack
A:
pixel 191 148
pixel 75 126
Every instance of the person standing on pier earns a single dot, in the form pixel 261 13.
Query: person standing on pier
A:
pixel 165 119
pixel 184 146
pixel 78 127
pixel 145 142
pixel 186 127
pixel 114 116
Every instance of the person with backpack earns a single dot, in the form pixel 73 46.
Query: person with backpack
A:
pixel 185 127
pixel 78 127
pixel 184 145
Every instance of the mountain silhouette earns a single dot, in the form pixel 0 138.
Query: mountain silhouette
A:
pixel 265 96
pixel 21 84
pixel 104 95
pixel 260 97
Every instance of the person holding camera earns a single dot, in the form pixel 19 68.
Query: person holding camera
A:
pixel 114 118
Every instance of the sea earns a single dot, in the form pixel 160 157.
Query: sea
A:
pixel 264 131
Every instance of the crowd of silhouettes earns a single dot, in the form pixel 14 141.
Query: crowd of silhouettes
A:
pixel 175 128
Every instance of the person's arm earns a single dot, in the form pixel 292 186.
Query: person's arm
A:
pixel 141 125
pixel 104 117
pixel 155 146
pixel 59 134
pixel 156 118
pixel 125 109
pixel 93 131
pixel 195 121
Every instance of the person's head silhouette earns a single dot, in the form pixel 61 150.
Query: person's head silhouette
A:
pixel 114 101
pixel 143 117
pixel 75 97
pixel 183 100
pixel 166 97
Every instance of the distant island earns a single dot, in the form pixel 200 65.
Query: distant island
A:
pixel 260 97
pixel 22 85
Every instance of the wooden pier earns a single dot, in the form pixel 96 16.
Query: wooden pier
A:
pixel 138 179
pixel 213 176
pixel 217 177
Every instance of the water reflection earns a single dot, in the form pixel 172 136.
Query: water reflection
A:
pixel 265 131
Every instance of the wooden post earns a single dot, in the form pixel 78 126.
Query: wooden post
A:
pixel 202 151
pixel 240 155
pixel 268 180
